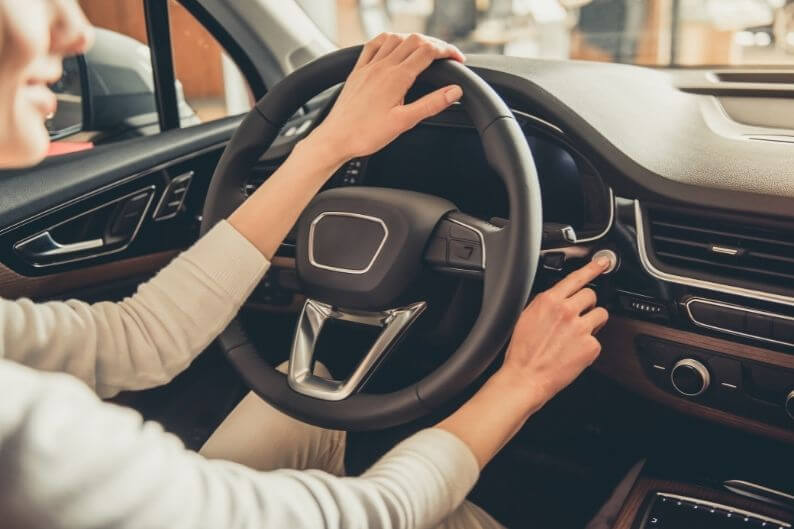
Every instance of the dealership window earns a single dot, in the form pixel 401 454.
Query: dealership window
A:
pixel 648 32
pixel 109 93
pixel 208 80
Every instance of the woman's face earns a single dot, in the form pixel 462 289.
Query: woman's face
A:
pixel 34 37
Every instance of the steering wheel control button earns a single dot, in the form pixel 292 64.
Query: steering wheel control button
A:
pixel 690 377
pixel 456 245
pixel 464 254
pixel 611 256
pixel 458 231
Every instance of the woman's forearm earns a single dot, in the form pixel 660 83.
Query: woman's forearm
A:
pixel 488 420
pixel 552 343
pixel 268 215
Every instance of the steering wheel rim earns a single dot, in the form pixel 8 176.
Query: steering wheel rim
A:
pixel 513 250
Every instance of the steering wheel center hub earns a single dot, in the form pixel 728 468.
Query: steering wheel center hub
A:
pixel 360 247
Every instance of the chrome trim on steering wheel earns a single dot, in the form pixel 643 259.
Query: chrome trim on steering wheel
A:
pixel 301 378
pixel 364 270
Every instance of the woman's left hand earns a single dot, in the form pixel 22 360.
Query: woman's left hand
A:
pixel 370 111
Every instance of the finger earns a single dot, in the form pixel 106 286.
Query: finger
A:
pixel 435 48
pixel 425 54
pixel 429 105
pixel 370 49
pixel 583 300
pixel 576 280
pixel 595 319
pixel 389 45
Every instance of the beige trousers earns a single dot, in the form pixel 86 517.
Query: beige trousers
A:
pixel 259 436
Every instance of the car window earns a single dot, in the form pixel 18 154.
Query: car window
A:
pixel 208 81
pixel 648 32
pixel 108 94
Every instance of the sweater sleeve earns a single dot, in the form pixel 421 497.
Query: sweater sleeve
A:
pixel 71 461
pixel 144 340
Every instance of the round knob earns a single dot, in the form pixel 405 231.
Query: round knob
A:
pixel 690 377
pixel 611 256
pixel 790 404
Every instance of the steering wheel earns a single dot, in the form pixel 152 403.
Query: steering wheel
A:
pixel 359 248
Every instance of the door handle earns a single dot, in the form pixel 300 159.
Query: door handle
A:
pixel 42 245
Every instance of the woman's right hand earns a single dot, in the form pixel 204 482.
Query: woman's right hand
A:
pixel 552 344
pixel 553 341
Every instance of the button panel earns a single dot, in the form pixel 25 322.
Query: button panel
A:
pixel 741 321
pixel 741 387
pixel 456 245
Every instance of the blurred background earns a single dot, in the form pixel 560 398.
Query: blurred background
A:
pixel 660 33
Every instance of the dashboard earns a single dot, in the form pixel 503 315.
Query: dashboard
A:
pixel 702 302
pixel 443 156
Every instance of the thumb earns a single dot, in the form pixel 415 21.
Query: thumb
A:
pixel 431 104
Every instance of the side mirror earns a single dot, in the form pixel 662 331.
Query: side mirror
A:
pixel 71 91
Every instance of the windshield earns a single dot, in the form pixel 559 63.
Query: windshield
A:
pixel 648 32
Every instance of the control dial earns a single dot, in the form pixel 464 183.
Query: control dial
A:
pixel 789 405
pixel 690 377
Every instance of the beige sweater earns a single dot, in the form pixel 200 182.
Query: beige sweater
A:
pixel 68 460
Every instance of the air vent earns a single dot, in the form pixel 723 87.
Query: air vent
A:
pixel 728 250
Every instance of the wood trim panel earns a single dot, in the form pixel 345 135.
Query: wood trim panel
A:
pixel 632 507
pixel 620 362
pixel 14 285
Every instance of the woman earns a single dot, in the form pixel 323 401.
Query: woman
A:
pixel 67 460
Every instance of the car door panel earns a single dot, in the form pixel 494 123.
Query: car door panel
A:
pixel 84 197
pixel 26 193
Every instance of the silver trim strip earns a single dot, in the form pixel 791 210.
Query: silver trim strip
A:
pixel 731 331
pixel 713 505
pixel 43 245
pixel 148 189
pixel 346 214
pixel 475 230
pixel 723 250
pixel 301 377
pixel 693 282
pixel 758 492
pixel 789 397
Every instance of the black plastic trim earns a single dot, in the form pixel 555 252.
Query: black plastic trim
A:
pixel 26 194
pixel 158 32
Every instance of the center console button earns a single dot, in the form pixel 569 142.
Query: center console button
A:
pixel 783 330
pixel 759 325
pixel 690 377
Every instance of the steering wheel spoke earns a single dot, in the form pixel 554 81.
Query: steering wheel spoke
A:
pixel 459 245
pixel 315 314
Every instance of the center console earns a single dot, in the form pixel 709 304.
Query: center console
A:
pixel 655 503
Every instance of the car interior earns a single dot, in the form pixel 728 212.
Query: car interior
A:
pixel 683 177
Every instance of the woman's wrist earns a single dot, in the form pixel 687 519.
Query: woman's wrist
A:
pixel 323 151
pixel 519 390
